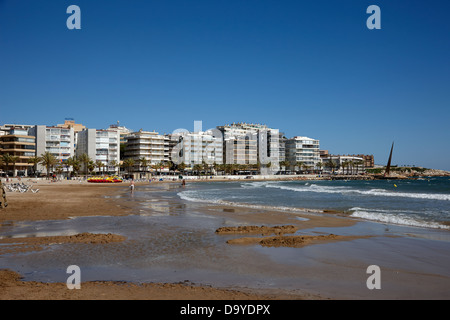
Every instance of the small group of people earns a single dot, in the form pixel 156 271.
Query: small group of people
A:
pixel 3 202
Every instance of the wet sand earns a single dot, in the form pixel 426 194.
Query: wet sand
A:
pixel 161 247
pixel 70 199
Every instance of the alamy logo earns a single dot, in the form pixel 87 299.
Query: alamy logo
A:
pixel 374 281
pixel 374 21
pixel 74 281
pixel 74 20
pixel 236 146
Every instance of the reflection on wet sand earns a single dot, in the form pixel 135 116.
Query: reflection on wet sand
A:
pixel 170 240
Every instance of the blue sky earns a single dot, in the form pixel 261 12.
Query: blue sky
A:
pixel 309 68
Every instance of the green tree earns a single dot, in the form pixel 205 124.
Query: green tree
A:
pixel 114 164
pixel 285 164
pixel 197 168
pixel 35 160
pixel 91 166
pixel 331 164
pixel 319 165
pixel 182 167
pixel 6 159
pixel 85 160
pixel 74 163
pixel 144 163
pixel 99 165
pixel 344 164
pixel 14 160
pixel 128 164
pixel 351 165
pixel 359 163
pixel 48 160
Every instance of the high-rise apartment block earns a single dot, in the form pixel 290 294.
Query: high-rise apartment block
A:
pixel 145 144
pixel 100 145
pixel 16 142
pixel 246 143
pixel 193 148
pixel 60 142
pixel 302 150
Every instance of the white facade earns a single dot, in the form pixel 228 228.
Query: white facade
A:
pixel 343 164
pixel 145 144
pixel 193 148
pixel 304 150
pixel 246 143
pixel 123 131
pixel 100 145
pixel 58 141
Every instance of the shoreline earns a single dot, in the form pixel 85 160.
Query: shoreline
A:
pixel 51 203
pixel 62 201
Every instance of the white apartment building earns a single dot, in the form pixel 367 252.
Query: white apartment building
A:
pixel 193 148
pixel 246 143
pixel 145 144
pixel 343 164
pixel 304 150
pixel 123 131
pixel 100 145
pixel 58 141
pixel 240 143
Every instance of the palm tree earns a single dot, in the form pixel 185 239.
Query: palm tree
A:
pixel 319 165
pixel 85 160
pixel 331 164
pixel 161 165
pixel 91 166
pixel 59 168
pixel 197 168
pixel 144 162
pixel 35 160
pixel 74 163
pixel 182 167
pixel 284 164
pixel 358 163
pixel 68 164
pixel 299 165
pixel 6 159
pixel 48 160
pixel 14 160
pixel 205 167
pixel 351 165
pixel 99 165
pixel 344 164
pixel 114 164
pixel 305 167
pixel 128 163
pixel 172 166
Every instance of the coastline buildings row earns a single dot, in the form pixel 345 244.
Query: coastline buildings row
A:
pixel 265 148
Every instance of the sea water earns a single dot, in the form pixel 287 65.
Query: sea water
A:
pixel 422 202
pixel 170 238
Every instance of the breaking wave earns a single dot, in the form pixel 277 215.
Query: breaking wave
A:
pixel 371 192
pixel 393 217
pixel 194 196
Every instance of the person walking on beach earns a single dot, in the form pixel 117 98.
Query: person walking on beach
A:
pixel 3 203
pixel 132 185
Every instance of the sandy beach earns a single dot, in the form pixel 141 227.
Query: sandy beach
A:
pixel 210 252
pixel 68 199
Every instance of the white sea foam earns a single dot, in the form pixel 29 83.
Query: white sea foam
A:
pixel 371 192
pixel 390 216
pixel 193 196
pixel 393 217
